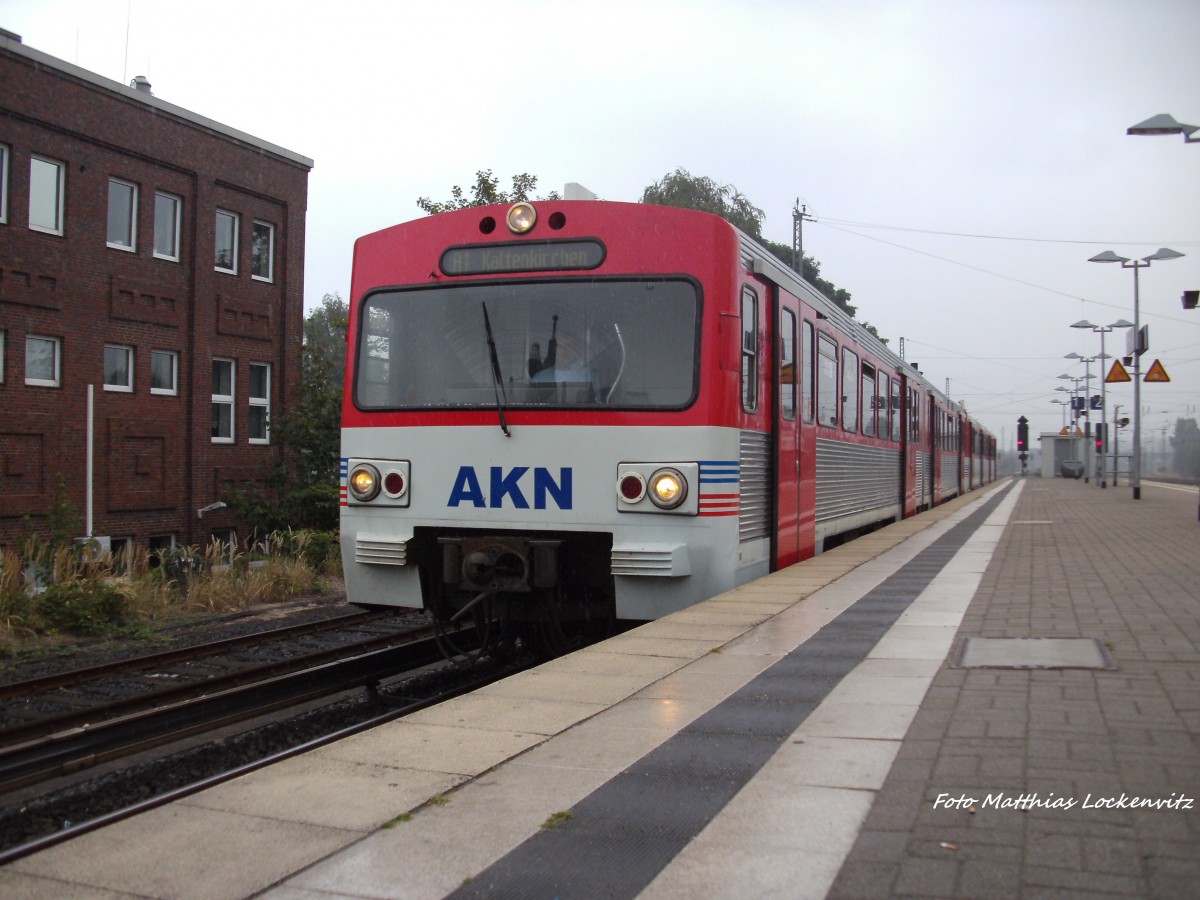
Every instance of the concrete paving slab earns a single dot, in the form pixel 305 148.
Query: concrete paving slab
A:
pixel 875 721
pixel 771 840
pixel 154 854
pixel 451 749
pixel 507 714
pixel 314 790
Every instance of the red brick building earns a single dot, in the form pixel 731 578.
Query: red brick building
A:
pixel 158 257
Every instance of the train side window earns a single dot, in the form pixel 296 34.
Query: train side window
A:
pixel 787 364
pixel 870 401
pixel 850 389
pixel 827 383
pixel 914 416
pixel 897 407
pixel 749 350
pixel 808 361
pixel 885 406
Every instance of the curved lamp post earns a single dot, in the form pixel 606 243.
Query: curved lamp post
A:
pixel 1165 124
pixel 1135 475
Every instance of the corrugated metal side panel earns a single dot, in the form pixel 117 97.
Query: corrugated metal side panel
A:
pixel 754 517
pixel 852 478
pixel 949 476
pixel 922 476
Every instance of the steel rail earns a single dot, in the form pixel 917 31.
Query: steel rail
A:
pixel 86 746
pixel 75 830
pixel 88 716
pixel 41 683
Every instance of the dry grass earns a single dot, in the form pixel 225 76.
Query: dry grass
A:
pixel 46 592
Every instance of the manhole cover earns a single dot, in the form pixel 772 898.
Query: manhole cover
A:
pixel 1032 653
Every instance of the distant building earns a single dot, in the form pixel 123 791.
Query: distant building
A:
pixel 158 256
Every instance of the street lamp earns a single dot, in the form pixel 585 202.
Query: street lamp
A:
pixel 1087 411
pixel 1064 404
pixel 1135 475
pixel 1165 124
pixel 1073 390
pixel 1102 330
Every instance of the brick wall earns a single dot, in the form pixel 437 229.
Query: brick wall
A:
pixel 155 460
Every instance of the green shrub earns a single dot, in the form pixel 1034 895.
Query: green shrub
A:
pixel 84 607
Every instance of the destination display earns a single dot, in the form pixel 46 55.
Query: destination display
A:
pixel 527 256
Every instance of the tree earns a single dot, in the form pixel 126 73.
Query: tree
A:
pixel 300 490
pixel 1186 444
pixel 485 192
pixel 682 189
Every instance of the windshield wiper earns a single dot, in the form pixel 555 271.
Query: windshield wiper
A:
pixel 497 378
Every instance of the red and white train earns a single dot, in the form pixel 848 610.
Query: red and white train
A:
pixel 571 410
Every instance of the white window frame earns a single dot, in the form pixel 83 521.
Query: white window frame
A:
pixel 119 388
pixel 226 400
pixel 270 276
pixel 232 269
pixel 131 246
pixel 173 390
pixel 5 155
pixel 263 403
pixel 54 382
pixel 177 202
pixel 60 188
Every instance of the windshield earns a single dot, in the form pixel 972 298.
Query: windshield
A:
pixel 615 344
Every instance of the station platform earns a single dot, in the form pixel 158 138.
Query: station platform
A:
pixel 999 697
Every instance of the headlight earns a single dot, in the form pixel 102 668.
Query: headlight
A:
pixel 668 488
pixel 364 482
pixel 521 218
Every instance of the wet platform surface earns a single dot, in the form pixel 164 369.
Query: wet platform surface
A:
pixel 825 731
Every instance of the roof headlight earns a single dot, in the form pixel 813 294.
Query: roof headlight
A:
pixel 667 488
pixel 364 482
pixel 521 217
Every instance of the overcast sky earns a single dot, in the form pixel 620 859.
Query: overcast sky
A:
pixel 962 159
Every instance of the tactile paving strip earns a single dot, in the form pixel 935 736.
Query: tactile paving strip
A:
pixel 624 833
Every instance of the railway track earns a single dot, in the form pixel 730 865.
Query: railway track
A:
pixel 71 721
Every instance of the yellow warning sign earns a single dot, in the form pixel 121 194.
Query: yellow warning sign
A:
pixel 1116 373
pixel 1157 373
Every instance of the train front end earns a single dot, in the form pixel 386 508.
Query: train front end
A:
pixel 527 438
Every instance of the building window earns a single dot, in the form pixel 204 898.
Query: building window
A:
pixel 159 546
pixel 222 401
pixel 43 363
pixel 164 372
pixel 227 242
pixel 120 552
pixel 122 214
pixel 260 403
pixel 118 368
pixel 47 185
pixel 226 541
pixel 4 154
pixel 167 212
pixel 262 260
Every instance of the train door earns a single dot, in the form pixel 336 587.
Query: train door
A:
pixel 931 453
pixel 788 366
